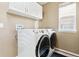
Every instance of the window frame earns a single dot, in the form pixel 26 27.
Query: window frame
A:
pixel 59 22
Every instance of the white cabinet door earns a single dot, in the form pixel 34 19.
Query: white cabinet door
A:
pixel 17 7
pixel 34 10
pixel 27 9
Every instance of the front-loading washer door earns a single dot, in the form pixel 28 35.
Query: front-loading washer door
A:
pixel 43 46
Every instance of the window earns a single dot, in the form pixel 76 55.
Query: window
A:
pixel 67 17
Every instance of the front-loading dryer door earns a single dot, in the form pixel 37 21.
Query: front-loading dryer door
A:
pixel 53 40
pixel 43 46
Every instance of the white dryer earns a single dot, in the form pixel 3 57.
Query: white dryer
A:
pixel 53 38
pixel 33 43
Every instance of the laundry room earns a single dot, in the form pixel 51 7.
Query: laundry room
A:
pixel 39 29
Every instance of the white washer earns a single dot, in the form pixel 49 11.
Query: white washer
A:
pixel 43 43
pixel 32 43
pixel 26 43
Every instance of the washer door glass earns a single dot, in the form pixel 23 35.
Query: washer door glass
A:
pixel 43 46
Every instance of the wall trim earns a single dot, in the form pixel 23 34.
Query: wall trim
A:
pixel 66 53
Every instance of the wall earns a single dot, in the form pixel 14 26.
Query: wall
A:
pixel 8 46
pixel 65 40
pixel 50 16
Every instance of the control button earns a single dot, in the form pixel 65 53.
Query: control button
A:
pixel 42 31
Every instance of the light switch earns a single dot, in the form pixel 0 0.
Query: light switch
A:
pixel 1 25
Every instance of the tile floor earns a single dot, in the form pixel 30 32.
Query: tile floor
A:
pixel 57 55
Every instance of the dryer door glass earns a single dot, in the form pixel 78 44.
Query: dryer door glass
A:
pixel 53 39
pixel 43 46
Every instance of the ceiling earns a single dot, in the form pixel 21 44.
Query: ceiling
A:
pixel 42 3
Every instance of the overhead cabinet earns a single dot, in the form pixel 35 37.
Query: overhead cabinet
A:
pixel 34 10
pixel 26 9
pixel 17 8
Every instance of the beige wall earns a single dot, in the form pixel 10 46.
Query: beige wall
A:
pixel 65 40
pixel 50 16
pixel 8 32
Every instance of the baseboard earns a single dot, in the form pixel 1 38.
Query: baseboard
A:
pixel 66 53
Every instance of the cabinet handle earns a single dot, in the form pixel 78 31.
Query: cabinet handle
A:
pixel 26 10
